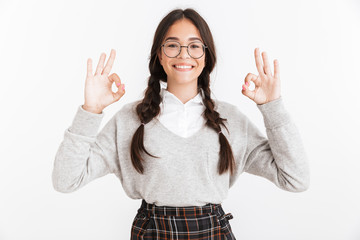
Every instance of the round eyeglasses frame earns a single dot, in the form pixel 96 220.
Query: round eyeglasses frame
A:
pixel 187 48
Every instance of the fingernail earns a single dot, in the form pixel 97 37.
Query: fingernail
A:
pixel 243 87
pixel 247 83
pixel 117 84
pixel 123 87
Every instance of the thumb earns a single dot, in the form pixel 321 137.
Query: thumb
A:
pixel 247 92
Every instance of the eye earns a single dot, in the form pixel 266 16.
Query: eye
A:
pixel 172 45
pixel 195 45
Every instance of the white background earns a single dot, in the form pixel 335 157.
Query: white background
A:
pixel 44 46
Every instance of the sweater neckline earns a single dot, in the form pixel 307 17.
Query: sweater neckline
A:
pixel 197 134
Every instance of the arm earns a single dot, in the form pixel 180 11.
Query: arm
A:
pixel 83 154
pixel 281 158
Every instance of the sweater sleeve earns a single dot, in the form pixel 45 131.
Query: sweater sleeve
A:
pixel 281 157
pixel 84 155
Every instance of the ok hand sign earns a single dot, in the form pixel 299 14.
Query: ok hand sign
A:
pixel 267 85
pixel 98 86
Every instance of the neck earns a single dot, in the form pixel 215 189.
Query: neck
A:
pixel 183 92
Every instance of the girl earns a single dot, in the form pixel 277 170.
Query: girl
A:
pixel 178 149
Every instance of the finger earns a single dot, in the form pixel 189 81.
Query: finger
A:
pixel 276 69
pixel 109 63
pixel 119 93
pixel 115 78
pixel 89 67
pixel 252 77
pixel 246 91
pixel 259 65
pixel 100 64
pixel 267 67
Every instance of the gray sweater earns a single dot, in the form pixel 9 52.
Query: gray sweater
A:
pixel 185 174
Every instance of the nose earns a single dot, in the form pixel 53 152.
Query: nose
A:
pixel 183 52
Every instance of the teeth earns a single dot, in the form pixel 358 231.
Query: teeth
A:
pixel 183 66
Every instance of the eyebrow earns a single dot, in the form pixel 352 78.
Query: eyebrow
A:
pixel 190 39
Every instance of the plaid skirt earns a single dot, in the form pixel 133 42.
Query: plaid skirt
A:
pixel 177 223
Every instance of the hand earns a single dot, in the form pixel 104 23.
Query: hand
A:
pixel 267 85
pixel 98 87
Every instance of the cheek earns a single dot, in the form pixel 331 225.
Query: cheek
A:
pixel 201 63
pixel 164 61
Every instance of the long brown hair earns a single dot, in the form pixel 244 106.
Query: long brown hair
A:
pixel 149 107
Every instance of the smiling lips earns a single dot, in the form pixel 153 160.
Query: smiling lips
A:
pixel 183 67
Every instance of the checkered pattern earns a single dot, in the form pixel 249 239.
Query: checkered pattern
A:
pixel 208 222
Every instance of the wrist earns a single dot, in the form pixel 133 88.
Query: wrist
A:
pixel 91 109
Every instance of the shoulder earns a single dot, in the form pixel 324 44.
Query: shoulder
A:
pixel 236 121
pixel 229 110
pixel 221 105
pixel 127 113
pixel 130 106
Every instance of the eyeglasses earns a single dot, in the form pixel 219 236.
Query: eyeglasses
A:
pixel 172 49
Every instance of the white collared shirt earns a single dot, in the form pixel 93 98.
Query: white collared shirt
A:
pixel 182 119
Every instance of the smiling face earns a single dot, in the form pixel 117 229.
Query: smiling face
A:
pixel 182 69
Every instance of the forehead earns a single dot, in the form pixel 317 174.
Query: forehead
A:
pixel 183 30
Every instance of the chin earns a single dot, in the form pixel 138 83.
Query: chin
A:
pixel 184 80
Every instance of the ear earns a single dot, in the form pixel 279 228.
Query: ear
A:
pixel 159 56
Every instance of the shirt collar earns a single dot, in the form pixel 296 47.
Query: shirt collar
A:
pixel 168 96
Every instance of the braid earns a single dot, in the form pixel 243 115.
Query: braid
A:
pixel 214 120
pixel 146 110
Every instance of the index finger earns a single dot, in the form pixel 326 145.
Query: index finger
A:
pixel 109 63
pixel 259 65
